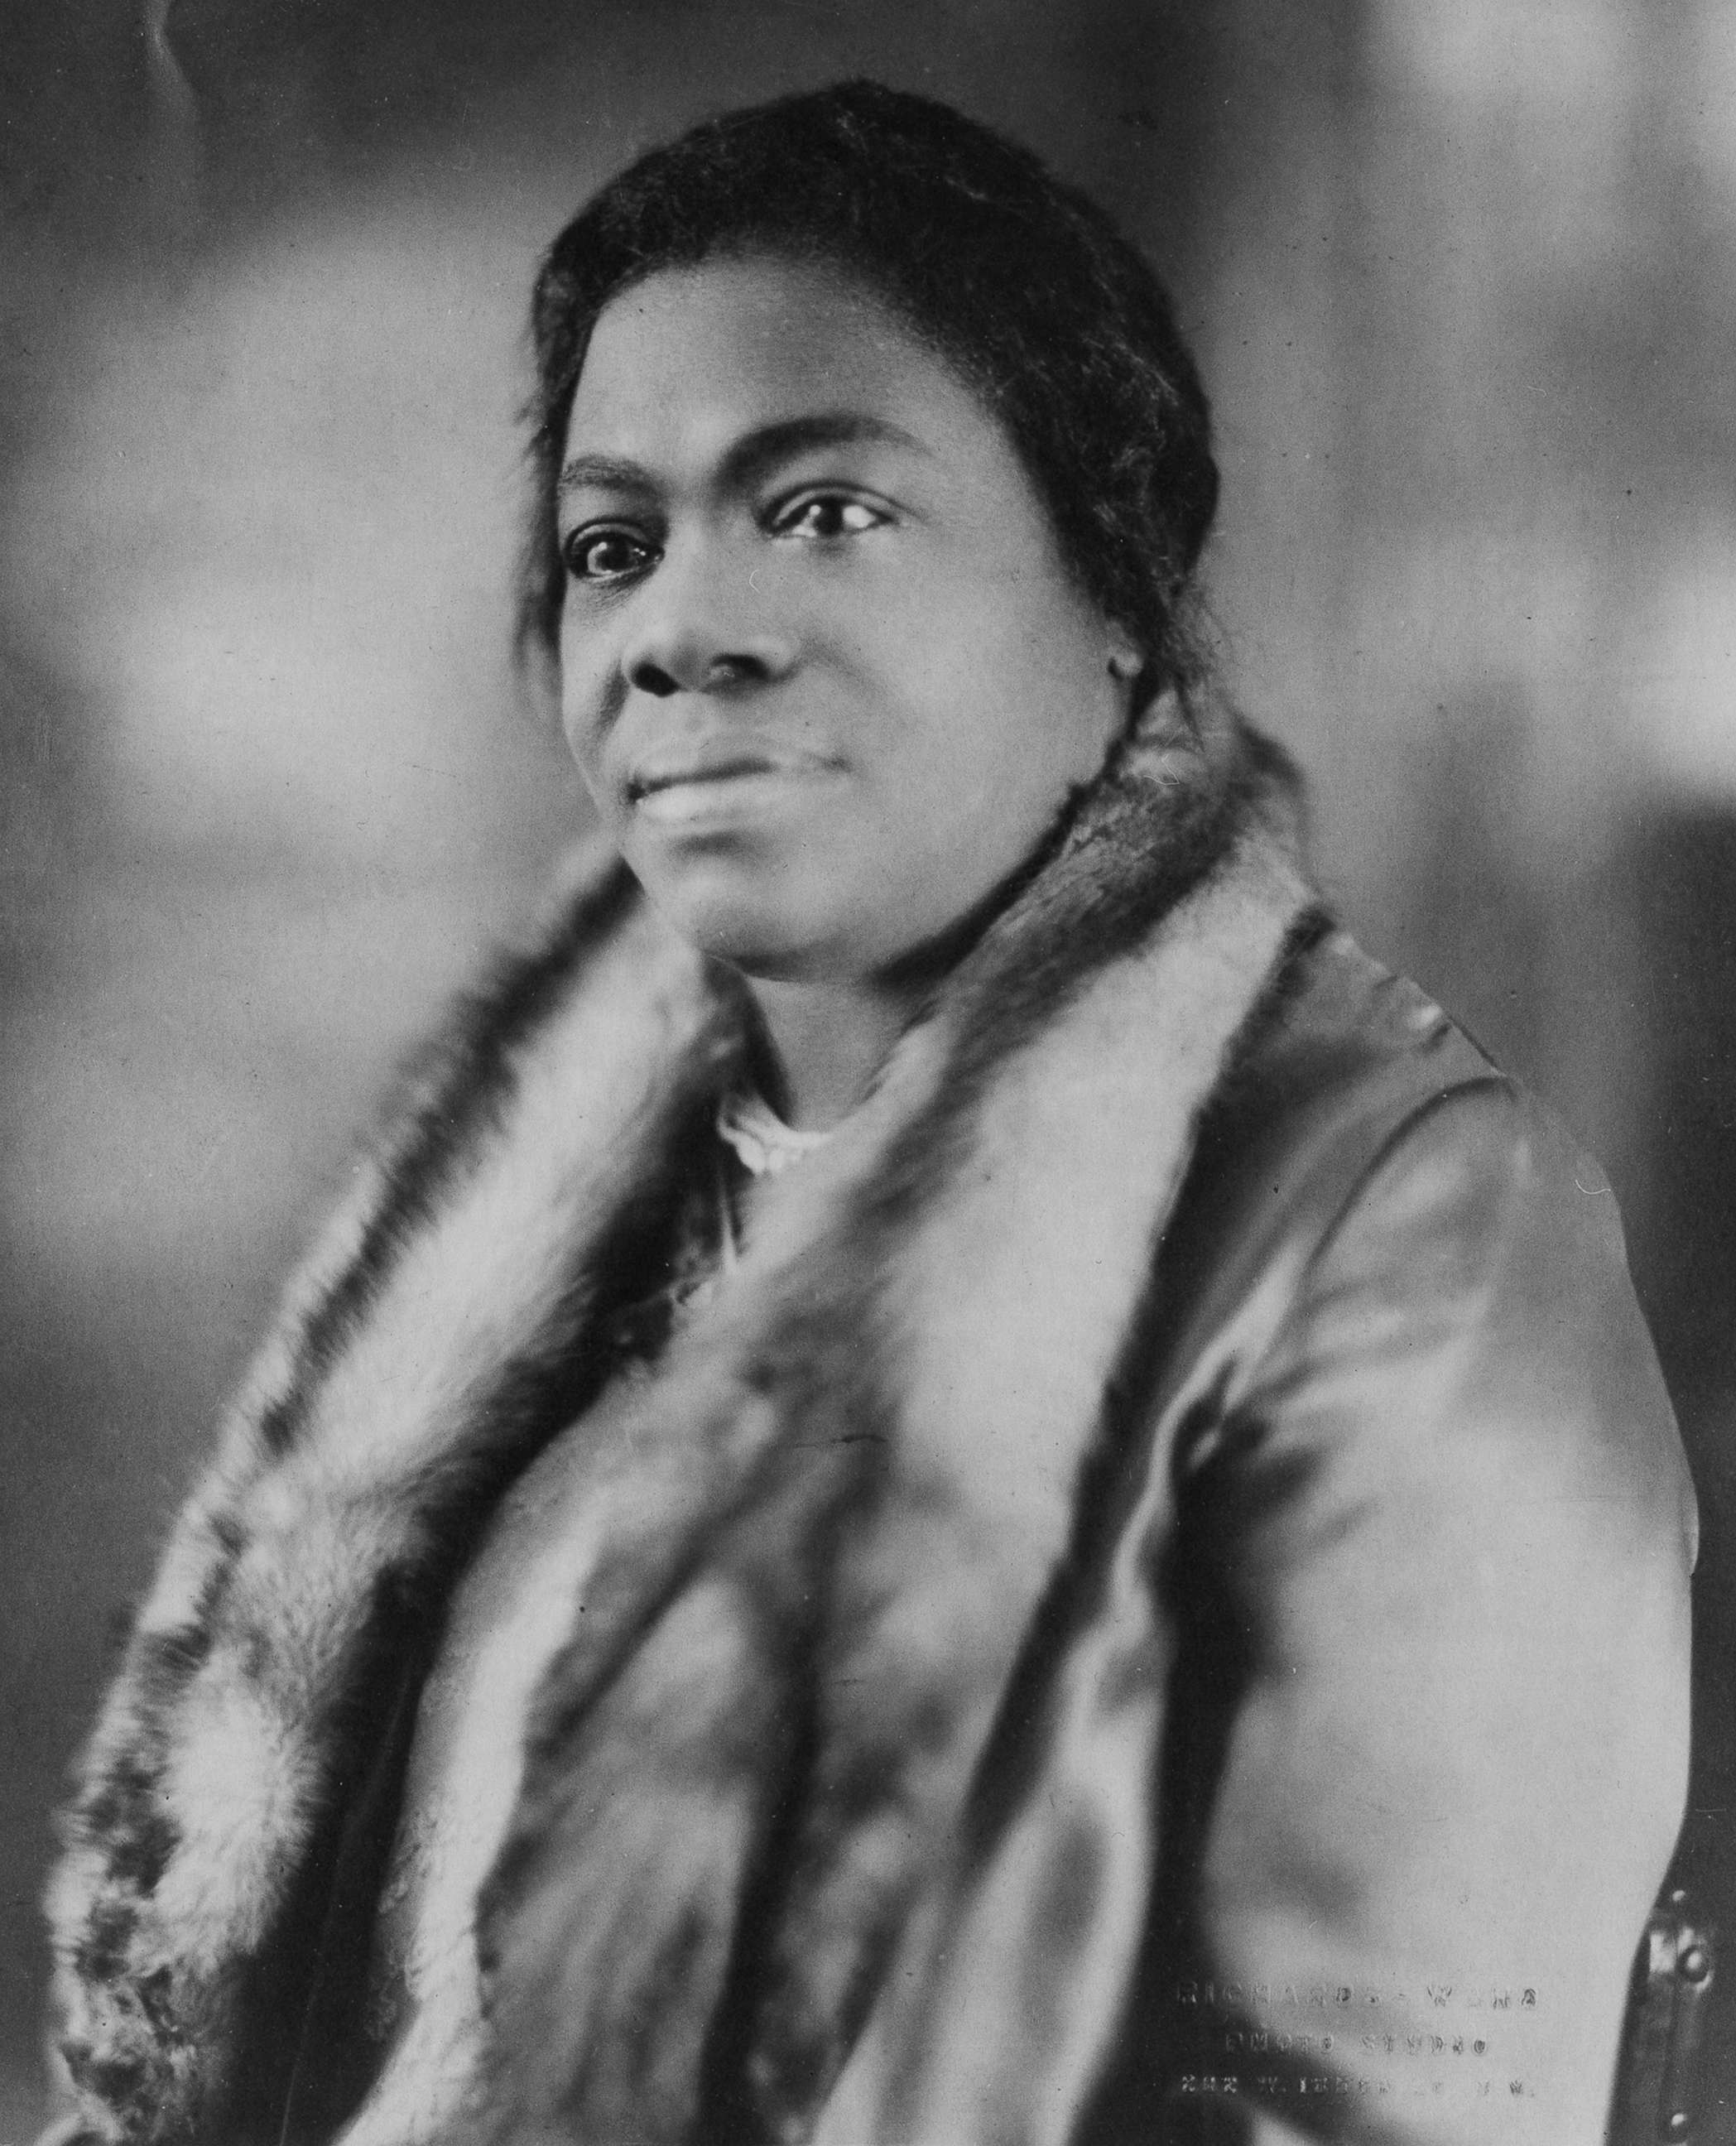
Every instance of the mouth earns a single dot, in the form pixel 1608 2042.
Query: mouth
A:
pixel 720 782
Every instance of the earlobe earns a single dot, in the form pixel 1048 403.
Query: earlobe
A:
pixel 1126 660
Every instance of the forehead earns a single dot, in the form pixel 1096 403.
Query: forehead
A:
pixel 692 359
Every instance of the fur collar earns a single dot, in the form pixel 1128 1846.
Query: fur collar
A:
pixel 748 1761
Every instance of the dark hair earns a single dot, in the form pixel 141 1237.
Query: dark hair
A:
pixel 1020 282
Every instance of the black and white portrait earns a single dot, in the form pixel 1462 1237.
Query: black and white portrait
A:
pixel 869 1073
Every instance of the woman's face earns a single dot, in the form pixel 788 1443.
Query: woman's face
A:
pixel 822 666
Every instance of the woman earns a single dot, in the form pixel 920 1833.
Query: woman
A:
pixel 957 1478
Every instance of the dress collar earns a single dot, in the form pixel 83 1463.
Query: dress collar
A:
pixel 765 1146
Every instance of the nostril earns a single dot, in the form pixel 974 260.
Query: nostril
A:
pixel 736 670
pixel 648 677
pixel 716 674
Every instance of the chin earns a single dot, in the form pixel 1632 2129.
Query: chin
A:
pixel 758 937
pixel 759 920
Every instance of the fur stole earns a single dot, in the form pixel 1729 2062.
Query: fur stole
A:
pixel 851 1480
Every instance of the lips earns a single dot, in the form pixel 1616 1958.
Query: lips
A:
pixel 718 765
pixel 648 782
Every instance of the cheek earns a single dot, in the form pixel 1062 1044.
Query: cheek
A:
pixel 581 736
pixel 583 723
pixel 1022 717
pixel 588 756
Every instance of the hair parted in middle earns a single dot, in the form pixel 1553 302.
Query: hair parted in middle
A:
pixel 1018 282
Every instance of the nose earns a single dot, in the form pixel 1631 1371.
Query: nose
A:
pixel 701 628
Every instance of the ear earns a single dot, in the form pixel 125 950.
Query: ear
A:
pixel 1126 658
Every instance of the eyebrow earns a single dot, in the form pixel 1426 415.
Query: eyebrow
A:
pixel 749 457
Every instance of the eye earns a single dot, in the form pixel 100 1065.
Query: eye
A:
pixel 823 516
pixel 605 555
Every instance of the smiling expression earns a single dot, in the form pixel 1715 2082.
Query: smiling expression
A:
pixel 822 666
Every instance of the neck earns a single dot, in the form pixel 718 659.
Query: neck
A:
pixel 829 1041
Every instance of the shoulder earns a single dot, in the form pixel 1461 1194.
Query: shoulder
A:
pixel 1396 1283
pixel 1366 1169
pixel 1439 1186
